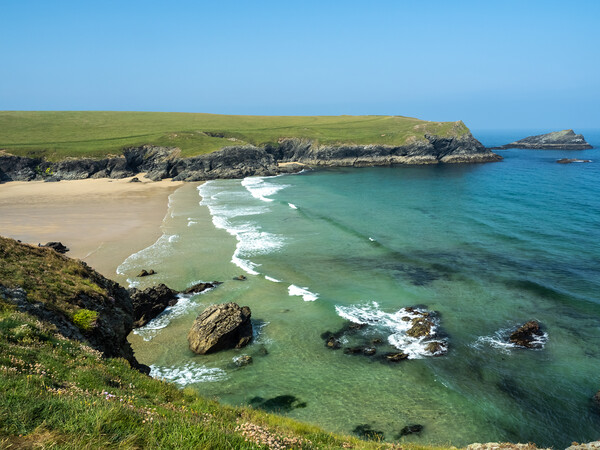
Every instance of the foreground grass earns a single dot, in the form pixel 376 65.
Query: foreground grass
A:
pixel 59 393
pixel 59 134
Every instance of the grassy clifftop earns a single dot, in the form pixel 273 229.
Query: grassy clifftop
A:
pixel 56 135
pixel 57 392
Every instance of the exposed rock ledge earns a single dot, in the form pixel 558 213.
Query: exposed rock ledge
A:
pixel 242 161
pixel 557 140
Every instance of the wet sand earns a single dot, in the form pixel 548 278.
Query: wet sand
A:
pixel 102 221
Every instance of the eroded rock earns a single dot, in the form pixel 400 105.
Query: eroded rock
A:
pixel 150 302
pixel 528 335
pixel 221 327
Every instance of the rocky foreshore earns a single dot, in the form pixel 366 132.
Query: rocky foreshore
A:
pixel 557 140
pixel 240 161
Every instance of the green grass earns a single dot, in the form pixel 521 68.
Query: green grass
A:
pixel 59 134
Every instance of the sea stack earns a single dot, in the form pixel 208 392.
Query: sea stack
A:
pixel 557 140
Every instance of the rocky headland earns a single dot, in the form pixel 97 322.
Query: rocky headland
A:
pixel 557 140
pixel 287 155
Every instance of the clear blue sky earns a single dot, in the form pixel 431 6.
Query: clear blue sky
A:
pixel 493 64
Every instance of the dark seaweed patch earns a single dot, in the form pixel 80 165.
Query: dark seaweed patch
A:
pixel 281 403
pixel 365 431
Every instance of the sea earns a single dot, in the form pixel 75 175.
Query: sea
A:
pixel 483 247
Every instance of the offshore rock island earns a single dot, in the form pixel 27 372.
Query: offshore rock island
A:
pixel 557 140
pixel 360 141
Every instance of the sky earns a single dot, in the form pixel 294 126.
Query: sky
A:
pixel 493 64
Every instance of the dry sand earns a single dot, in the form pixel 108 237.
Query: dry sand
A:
pixel 102 221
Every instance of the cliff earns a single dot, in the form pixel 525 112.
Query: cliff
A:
pixel 557 140
pixel 246 160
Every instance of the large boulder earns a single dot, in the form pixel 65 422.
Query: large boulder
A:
pixel 221 327
pixel 528 335
pixel 150 302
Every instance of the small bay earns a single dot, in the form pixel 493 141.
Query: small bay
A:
pixel 487 246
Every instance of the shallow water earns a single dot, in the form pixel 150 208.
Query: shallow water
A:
pixel 487 246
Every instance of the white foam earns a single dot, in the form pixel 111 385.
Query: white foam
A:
pixel 371 239
pixel 191 222
pixel 291 205
pixel 274 280
pixel 237 221
pixel 371 314
pixel 500 341
pixel 151 329
pixel 188 373
pixel 261 189
pixel 303 292
pixel 154 255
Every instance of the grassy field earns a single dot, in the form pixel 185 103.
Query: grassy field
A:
pixel 60 393
pixel 59 134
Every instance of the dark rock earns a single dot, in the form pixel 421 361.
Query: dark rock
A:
pixel 421 327
pixel 200 287
pixel 135 180
pixel 333 343
pixel 396 357
pixel 376 341
pixel 242 360
pixel 369 351
pixel 597 398
pixel 557 140
pixel 279 404
pixel 411 429
pixel 56 246
pixel 572 160
pixel 220 327
pixel 353 350
pixel 240 278
pixel 150 302
pixel 527 335
pixel 145 273
pixel 365 431
pixel 436 348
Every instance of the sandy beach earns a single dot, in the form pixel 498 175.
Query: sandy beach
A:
pixel 102 221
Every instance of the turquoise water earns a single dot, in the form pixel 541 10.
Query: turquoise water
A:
pixel 487 246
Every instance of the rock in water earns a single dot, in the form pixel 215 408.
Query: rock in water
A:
pixel 527 335
pixel 145 273
pixel 221 327
pixel 572 160
pixel 150 302
pixel 597 398
pixel 200 287
pixel 557 140
pixel 56 246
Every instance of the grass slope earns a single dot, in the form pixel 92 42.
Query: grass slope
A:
pixel 60 393
pixel 59 134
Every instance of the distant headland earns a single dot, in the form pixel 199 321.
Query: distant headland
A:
pixel 54 146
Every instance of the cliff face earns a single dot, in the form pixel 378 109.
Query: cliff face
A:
pixel 77 300
pixel 557 140
pixel 242 161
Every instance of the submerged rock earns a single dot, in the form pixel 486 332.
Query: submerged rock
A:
pixel 572 160
pixel 411 429
pixel 557 140
pixel 589 446
pixel 597 398
pixel 281 403
pixel 396 357
pixel 56 246
pixel 366 431
pixel 240 278
pixel 528 335
pixel 220 327
pixel 242 360
pixel 150 302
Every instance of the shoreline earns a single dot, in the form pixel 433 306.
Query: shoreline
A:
pixel 101 221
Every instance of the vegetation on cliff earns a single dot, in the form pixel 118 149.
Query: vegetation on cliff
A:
pixel 56 135
pixel 61 392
